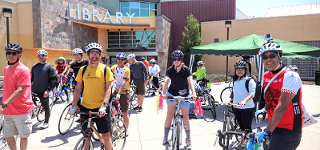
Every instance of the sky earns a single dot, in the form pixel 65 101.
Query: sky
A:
pixel 258 8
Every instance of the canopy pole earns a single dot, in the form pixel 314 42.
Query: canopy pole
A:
pixel 227 69
pixel 191 62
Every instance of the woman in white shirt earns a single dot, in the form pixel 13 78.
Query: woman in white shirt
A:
pixel 154 70
pixel 244 113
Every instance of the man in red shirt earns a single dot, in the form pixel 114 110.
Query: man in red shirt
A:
pixel 17 102
pixel 145 62
pixel 283 100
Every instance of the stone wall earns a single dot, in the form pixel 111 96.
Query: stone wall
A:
pixel 54 32
pixel 163 41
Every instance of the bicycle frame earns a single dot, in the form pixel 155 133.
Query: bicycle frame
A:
pixel 177 116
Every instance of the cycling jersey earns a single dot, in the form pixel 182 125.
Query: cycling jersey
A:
pixel 286 82
pixel 179 80
pixel 120 74
pixel 200 73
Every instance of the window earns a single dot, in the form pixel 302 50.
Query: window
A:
pixel 140 9
pixel 95 3
pixel 216 40
pixel 131 39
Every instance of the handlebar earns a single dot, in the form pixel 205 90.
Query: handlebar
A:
pixel 179 98
pixel 88 113
pixel 227 104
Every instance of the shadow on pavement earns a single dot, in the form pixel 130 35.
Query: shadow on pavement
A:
pixel 64 138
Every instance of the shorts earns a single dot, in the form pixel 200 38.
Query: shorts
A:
pixel 284 139
pixel 17 125
pixel 182 103
pixel 124 101
pixel 140 90
pixel 103 123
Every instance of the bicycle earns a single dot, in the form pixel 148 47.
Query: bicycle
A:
pixel 39 111
pixel 58 92
pixel 226 93
pixel 133 98
pixel 150 86
pixel 230 123
pixel 176 126
pixel 207 99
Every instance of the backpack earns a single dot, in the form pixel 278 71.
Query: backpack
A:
pixel 257 96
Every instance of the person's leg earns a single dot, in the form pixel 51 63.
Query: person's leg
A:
pixel 9 131
pixel 45 105
pixel 238 117
pixel 11 142
pixel 24 127
pixel 107 141
pixel 124 105
pixel 167 123
pixel 23 143
pixel 104 127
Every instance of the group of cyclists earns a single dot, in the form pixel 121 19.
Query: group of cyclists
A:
pixel 92 92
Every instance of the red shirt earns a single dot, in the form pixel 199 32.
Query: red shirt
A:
pixel 146 63
pixel 13 77
pixel 61 68
pixel 286 82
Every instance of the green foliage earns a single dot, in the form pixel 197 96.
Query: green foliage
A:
pixel 190 37
pixel 218 78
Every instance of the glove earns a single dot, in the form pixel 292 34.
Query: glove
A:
pixel 102 110
pixel 117 97
pixel 263 135
pixel 72 110
pixel 262 111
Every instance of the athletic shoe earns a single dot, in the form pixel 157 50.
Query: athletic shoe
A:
pixel 136 108
pixel 188 144
pixel 165 143
pixel 140 109
pixel 44 125
pixel 153 94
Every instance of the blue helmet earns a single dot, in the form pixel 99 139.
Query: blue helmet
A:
pixel 121 55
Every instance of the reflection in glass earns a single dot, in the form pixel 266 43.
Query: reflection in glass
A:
pixel 131 39
pixel 144 5
pixel 134 4
pixel 124 4
pixel 135 11
pixel 152 6
pixel 124 11
pixel 144 12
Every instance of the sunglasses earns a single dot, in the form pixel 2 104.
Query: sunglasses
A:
pixel 42 55
pixel 271 56
pixel 176 59
pixel 120 59
pixel 239 69
pixel 11 53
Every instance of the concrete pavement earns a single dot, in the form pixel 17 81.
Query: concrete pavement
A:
pixel 146 128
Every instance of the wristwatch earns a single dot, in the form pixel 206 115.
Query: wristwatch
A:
pixel 4 105
pixel 105 103
pixel 267 131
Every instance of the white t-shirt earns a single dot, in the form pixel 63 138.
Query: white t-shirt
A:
pixel 241 93
pixel 154 69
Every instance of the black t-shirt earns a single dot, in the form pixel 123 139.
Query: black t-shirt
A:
pixel 178 80
pixel 76 66
pixel 42 75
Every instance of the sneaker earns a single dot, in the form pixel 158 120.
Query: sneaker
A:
pixel 44 125
pixel 127 132
pixel 136 108
pixel 140 109
pixel 153 94
pixel 188 144
pixel 78 120
pixel 165 143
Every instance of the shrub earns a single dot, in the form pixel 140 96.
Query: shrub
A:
pixel 218 78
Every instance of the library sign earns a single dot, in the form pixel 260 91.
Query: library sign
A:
pixel 86 14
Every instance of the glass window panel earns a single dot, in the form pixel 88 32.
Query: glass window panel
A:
pixel 136 12
pixel 144 5
pixel 134 4
pixel 125 33
pixel 152 6
pixel 144 12
pixel 125 4
pixel 137 32
pixel 113 33
pixel 124 11
pixel 152 13
pixel 113 60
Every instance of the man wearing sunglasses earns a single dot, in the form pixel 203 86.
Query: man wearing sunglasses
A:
pixel 43 77
pixel 139 76
pixel 17 102
pixel 283 101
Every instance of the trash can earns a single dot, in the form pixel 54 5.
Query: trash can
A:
pixel 317 78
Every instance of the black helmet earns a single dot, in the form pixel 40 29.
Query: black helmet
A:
pixel 143 59
pixel 246 57
pixel 240 64
pixel 177 53
pixel 14 47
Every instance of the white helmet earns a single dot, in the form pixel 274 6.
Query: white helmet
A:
pixel 77 51
pixel 200 63
pixel 42 52
pixel 270 46
pixel 93 46
pixel 131 56
pixel 152 61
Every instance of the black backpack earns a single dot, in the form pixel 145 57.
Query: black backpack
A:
pixel 257 97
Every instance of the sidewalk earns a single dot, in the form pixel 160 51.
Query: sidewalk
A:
pixel 146 128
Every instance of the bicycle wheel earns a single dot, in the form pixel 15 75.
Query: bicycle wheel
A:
pixel 212 106
pixel 133 101
pixel 41 114
pixel 226 127
pixel 64 96
pixel 118 134
pixel 178 126
pixel 79 145
pixel 94 135
pixel 148 89
pixel 225 94
pixel 66 120
pixel 1 123
pixel 3 143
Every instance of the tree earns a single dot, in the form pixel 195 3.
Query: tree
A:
pixel 190 37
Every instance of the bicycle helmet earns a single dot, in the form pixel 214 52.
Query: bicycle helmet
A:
pixel 143 59
pixel 240 64
pixel 14 47
pixel 152 61
pixel 42 52
pixel 93 46
pixel 131 56
pixel 200 63
pixel 121 55
pixel 61 58
pixel 177 53
pixel 270 46
pixel 77 51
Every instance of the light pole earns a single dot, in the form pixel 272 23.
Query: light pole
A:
pixel 227 25
pixel 7 12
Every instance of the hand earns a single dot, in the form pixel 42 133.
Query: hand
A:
pixel 1 109
pixel 194 97
pixel 73 110
pixel 242 103
pixel 45 94
pixel 70 69
pixel 102 111
pixel 262 135
pixel 261 111
pixel 145 82
pixel 231 101
pixel 164 97
pixel 62 74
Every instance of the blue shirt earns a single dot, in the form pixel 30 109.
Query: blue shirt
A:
pixel 240 92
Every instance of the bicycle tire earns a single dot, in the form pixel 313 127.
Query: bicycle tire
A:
pixel 80 143
pixel 94 135
pixel 134 101
pixel 64 96
pixel 3 143
pixel 226 127
pixel 178 125
pixel 118 134
pixel 41 114
pixel 212 107
pixel 225 94
pixel 1 123
pixel 65 117
pixel 148 89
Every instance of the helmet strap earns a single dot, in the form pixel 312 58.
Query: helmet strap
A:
pixel 14 62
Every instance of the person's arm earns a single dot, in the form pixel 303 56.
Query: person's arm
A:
pixel 122 85
pixel 145 73
pixel 158 71
pixel 165 87
pixel 13 96
pixel 32 74
pixel 194 95
pixel 252 91
pixel 65 70
pixel 76 94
